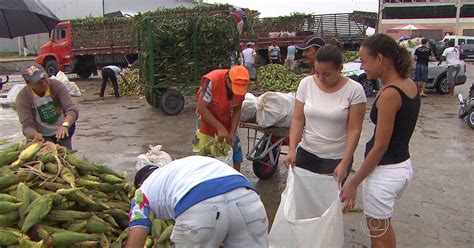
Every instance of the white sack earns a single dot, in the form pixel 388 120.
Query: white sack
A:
pixel 154 156
pixel 275 109
pixel 249 108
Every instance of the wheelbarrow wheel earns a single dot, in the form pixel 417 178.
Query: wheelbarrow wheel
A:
pixel 152 99
pixel 172 102
pixel 262 168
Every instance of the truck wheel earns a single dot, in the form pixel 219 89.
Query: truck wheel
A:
pixel 442 87
pixel 51 68
pixel 84 74
pixel 470 118
pixel 172 102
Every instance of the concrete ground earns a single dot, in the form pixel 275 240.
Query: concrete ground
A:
pixel 435 211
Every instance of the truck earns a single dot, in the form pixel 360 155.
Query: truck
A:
pixel 347 28
pixel 80 46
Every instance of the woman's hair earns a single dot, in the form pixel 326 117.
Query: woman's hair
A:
pixel 330 53
pixel 388 47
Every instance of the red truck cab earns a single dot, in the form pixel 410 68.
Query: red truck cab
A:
pixel 56 54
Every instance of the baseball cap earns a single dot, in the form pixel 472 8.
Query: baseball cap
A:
pixel 250 44
pixel 143 174
pixel 33 73
pixel 239 77
pixel 312 41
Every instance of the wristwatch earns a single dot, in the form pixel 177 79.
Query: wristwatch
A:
pixel 66 124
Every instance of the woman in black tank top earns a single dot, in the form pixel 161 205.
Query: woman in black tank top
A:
pixel 394 113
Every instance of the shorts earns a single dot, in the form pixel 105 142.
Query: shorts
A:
pixel 200 139
pixel 385 184
pixel 252 71
pixel 421 73
pixel 453 71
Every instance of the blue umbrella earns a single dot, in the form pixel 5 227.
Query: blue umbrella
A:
pixel 24 17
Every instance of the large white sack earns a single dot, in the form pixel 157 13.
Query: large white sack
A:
pixel 249 108
pixel 71 87
pixel 154 156
pixel 275 109
pixel 309 214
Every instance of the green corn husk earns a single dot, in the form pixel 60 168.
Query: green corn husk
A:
pixel 110 178
pixel 6 206
pixel 66 215
pixel 68 238
pixel 47 158
pixel 7 197
pixel 80 163
pixel 26 243
pixel 77 226
pixel 65 205
pixel 8 158
pixel 51 167
pixel 8 180
pixel 106 170
pixel 9 236
pixel 96 225
pixel 67 176
pixel 9 219
pixel 37 210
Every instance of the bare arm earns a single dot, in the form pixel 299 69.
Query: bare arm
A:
pixel 296 132
pixel 137 237
pixel 388 104
pixel 235 119
pixel 354 129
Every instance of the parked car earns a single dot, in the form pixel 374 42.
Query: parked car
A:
pixel 468 51
pixel 437 77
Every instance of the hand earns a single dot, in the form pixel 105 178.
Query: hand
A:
pixel 348 196
pixel 62 133
pixel 223 133
pixel 340 173
pixel 290 160
pixel 38 137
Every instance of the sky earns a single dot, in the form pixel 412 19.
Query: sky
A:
pixel 271 8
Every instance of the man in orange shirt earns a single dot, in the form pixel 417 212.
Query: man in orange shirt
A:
pixel 219 105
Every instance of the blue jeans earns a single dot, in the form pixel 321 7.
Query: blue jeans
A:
pixel 421 73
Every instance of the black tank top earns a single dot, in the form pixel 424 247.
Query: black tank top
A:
pixel 405 121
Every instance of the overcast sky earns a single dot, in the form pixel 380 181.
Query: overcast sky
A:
pixel 285 7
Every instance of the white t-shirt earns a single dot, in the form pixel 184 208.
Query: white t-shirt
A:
pixel 248 55
pixel 452 56
pixel 326 115
pixel 167 185
pixel 291 52
pixel 274 51
pixel 114 68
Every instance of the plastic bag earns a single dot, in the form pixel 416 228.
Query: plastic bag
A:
pixel 154 156
pixel 275 109
pixel 249 108
pixel 309 214
pixel 13 92
pixel 72 87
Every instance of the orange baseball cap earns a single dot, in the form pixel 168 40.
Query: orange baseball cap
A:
pixel 239 77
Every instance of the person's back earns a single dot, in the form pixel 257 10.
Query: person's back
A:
pixel 248 55
pixel 291 52
pixel 423 54
pixel 452 56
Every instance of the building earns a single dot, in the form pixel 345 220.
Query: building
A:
pixel 73 9
pixel 436 18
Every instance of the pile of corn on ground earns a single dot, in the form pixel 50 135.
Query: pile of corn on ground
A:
pixel 51 198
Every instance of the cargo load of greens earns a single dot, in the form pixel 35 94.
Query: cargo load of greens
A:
pixel 275 77
pixel 50 197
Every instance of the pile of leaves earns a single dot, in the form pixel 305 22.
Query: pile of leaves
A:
pixel 132 87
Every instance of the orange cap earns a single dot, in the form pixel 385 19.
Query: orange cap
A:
pixel 239 77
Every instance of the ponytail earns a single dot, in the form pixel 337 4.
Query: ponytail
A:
pixel 403 62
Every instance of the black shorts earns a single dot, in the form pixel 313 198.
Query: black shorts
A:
pixel 313 163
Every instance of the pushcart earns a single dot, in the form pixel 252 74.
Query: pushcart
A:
pixel 264 147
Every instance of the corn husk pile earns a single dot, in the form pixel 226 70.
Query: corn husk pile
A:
pixel 133 87
pixel 349 56
pixel 52 198
pixel 275 77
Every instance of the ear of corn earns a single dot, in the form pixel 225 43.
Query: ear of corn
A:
pixel 27 154
pixel 6 206
pixel 9 236
pixel 64 205
pixel 37 210
pixel 165 235
pixel 149 242
pixel 13 148
pixel 77 226
pixel 26 243
pixel 80 163
pixel 7 197
pixel 110 178
pixel 156 228
pixel 96 225
pixel 66 238
pixel 53 186
pixel 65 215
pixel 51 167
pixel 9 219
pixel 67 175
pixel 47 158
pixel 8 180
pixel 8 158
pixel 87 183
pixel 106 170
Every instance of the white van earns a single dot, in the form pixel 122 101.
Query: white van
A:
pixel 459 40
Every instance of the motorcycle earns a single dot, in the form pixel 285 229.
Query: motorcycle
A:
pixel 2 83
pixel 467 107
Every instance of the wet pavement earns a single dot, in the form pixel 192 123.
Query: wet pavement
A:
pixel 435 211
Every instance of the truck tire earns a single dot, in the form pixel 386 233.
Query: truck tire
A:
pixel 152 99
pixel 51 67
pixel 172 102
pixel 84 74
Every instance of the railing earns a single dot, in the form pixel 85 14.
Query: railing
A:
pixel 418 1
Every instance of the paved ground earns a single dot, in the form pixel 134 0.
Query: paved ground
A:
pixel 435 211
